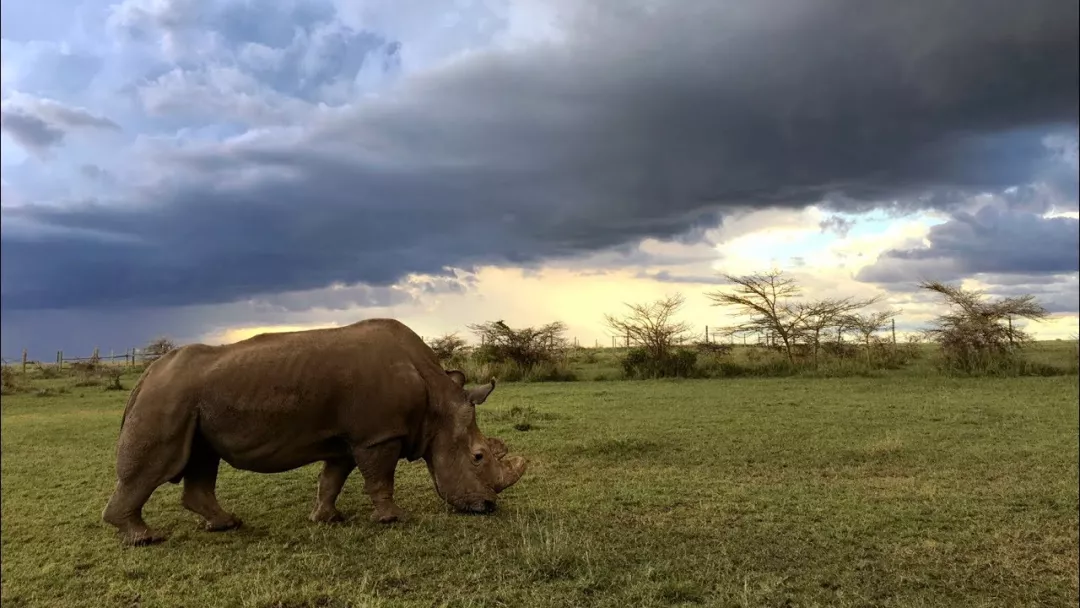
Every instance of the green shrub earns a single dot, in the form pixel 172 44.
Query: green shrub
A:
pixel 12 383
pixel 639 363
pixel 507 371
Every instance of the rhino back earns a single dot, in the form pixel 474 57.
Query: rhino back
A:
pixel 278 401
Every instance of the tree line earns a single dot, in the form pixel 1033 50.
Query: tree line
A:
pixel 975 335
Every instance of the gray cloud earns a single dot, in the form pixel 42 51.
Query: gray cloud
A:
pixel 39 124
pixel 32 132
pixel 50 70
pixel 991 240
pixel 648 123
pixel 837 225
pixel 666 276
pixel 257 63
pixel 1058 294
pixel 97 174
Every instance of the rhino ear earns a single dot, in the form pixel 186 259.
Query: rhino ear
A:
pixel 457 376
pixel 480 394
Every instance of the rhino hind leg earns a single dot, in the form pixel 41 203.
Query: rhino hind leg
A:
pixel 332 478
pixel 146 459
pixel 200 481
pixel 378 464
pixel 124 511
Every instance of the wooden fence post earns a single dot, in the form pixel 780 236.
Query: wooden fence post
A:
pixel 60 359
pixel 706 334
pixel 24 360
pixel 894 332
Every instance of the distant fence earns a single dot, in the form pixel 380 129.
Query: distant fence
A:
pixel 128 357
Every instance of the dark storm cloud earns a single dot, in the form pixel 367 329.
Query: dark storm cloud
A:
pixel 79 332
pixel 991 240
pixel 647 123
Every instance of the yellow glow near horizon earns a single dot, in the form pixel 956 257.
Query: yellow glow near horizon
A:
pixel 236 334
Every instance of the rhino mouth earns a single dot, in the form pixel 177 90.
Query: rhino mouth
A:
pixel 484 506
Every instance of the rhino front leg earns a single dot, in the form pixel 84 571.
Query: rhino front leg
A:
pixel 377 464
pixel 200 482
pixel 331 480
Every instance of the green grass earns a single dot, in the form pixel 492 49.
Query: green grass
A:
pixel 891 491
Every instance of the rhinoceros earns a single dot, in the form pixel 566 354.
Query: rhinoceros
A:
pixel 363 395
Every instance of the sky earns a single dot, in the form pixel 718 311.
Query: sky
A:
pixel 211 170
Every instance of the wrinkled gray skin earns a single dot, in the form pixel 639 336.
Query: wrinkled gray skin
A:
pixel 364 396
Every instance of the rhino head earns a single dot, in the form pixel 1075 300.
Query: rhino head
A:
pixel 468 468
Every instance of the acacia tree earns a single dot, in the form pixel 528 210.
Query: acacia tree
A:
pixel 651 326
pixel 815 317
pixel 868 324
pixel 447 345
pixel 976 331
pixel 526 347
pixel 765 297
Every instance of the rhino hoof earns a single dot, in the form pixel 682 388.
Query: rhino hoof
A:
pixel 142 539
pixel 388 516
pixel 326 516
pixel 231 523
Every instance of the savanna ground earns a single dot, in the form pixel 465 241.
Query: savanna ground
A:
pixel 903 488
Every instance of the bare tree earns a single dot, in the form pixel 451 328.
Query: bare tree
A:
pixel 868 324
pixel 158 348
pixel 765 297
pixel 651 325
pixel 975 328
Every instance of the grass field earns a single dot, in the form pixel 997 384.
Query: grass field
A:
pixel 889 491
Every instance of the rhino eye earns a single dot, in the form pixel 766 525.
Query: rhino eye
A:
pixel 477 457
